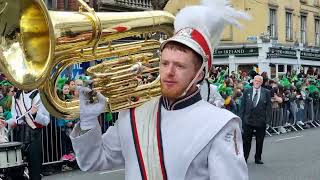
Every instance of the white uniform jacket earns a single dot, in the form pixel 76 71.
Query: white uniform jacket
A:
pixel 199 141
pixel 210 93
pixel 42 117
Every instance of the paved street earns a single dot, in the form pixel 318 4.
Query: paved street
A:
pixel 293 156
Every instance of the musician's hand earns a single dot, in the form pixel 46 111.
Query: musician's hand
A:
pixel 34 109
pixel 89 111
pixel 3 123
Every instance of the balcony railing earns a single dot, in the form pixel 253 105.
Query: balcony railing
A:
pixel 146 4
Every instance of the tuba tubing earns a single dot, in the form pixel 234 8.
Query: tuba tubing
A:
pixel 36 41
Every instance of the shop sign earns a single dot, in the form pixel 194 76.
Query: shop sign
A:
pixel 238 52
pixel 310 55
pixel 284 53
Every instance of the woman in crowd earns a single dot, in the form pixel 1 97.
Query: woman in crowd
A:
pixel 8 91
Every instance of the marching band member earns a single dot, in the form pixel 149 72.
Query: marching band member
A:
pixel 178 135
pixel 210 93
pixel 29 116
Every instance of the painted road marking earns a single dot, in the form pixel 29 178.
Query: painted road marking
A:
pixel 294 137
pixel 106 172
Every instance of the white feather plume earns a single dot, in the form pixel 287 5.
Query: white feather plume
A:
pixel 210 17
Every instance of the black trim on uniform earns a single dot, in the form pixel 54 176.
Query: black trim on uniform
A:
pixel 183 102
pixel 25 107
pixel 136 144
pixel 160 149
pixel 33 94
pixel 208 84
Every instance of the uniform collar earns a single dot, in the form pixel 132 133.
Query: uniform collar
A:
pixel 29 92
pixel 181 103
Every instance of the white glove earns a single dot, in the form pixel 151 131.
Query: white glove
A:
pixel 89 112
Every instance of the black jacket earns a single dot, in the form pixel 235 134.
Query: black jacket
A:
pixel 257 116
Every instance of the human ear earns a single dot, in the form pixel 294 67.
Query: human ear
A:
pixel 201 76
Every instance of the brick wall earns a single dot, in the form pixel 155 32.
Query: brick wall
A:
pixel 72 5
pixel 60 4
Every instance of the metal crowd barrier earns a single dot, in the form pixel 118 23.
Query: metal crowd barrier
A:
pixel 280 118
pixel 316 105
pixel 287 116
pixel 309 113
pixel 52 142
pixel 52 139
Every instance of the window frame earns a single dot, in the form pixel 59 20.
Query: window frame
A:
pixel 289 26
pixel 303 29
pixel 317 31
pixel 273 31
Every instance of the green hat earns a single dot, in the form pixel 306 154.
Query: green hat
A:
pixel 246 85
pixel 84 78
pixel 61 82
pixel 5 83
pixel 294 78
pixel 313 89
pixel 229 91
pixel 221 88
pixel 285 82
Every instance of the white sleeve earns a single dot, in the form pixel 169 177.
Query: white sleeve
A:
pixel 42 116
pixel 226 160
pixel 95 151
pixel 215 98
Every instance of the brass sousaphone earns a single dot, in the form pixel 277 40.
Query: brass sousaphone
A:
pixel 37 45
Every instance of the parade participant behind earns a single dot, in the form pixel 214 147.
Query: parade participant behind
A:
pixel 29 116
pixel 256 114
pixel 178 135
pixel 210 93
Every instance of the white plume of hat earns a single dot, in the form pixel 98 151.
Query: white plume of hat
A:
pixel 210 17
pixel 200 27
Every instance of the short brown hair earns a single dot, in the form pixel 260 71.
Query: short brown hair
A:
pixel 173 45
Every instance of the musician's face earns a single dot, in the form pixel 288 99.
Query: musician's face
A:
pixel 177 69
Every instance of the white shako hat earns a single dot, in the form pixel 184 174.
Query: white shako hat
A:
pixel 200 27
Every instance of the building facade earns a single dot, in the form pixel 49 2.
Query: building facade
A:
pixel 286 33
pixel 282 35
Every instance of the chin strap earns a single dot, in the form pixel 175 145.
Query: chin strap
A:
pixel 193 81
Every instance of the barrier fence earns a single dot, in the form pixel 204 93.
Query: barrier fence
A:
pixel 295 115
pixel 55 139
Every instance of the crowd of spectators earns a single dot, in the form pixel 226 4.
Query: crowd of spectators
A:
pixel 290 91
